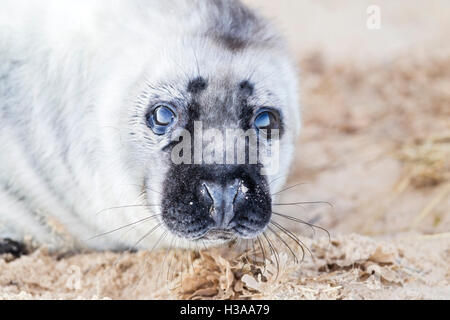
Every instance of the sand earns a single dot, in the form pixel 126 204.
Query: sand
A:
pixel 375 145
pixel 409 266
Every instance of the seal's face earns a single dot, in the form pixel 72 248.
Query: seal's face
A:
pixel 204 195
pixel 219 141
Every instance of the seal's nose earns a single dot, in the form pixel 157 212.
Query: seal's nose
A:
pixel 223 197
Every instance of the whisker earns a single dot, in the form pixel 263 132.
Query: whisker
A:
pixel 188 257
pixel 128 206
pixel 146 235
pixel 204 245
pixel 245 258
pixel 275 179
pixel 303 222
pixel 182 261
pixel 288 188
pixel 159 240
pixel 292 236
pixel 123 227
pixel 304 202
pixel 142 194
pixel 297 239
pixel 146 259
pixel 165 257
pixel 133 248
pixel 285 243
pixel 168 276
pixel 263 251
pixel 177 270
pixel 147 187
pixel 298 221
pixel 254 251
pixel 275 253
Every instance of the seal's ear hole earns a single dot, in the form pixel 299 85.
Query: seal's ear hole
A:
pixel 161 118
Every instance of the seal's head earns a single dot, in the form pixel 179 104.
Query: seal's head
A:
pixel 215 125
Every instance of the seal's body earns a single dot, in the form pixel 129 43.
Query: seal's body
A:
pixel 92 91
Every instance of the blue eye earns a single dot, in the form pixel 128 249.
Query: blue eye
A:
pixel 161 119
pixel 266 120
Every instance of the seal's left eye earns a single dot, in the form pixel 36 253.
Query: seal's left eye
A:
pixel 161 119
pixel 267 120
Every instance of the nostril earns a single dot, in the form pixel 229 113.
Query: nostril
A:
pixel 208 195
pixel 223 197
pixel 204 190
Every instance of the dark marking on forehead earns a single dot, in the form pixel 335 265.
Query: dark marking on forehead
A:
pixel 234 25
pixel 197 85
pixel 246 88
pixel 232 42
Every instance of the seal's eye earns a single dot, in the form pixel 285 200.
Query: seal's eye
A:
pixel 267 120
pixel 161 119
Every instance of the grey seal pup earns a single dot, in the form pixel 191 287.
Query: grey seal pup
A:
pixel 96 98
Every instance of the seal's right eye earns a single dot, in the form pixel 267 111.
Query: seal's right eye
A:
pixel 267 119
pixel 161 118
